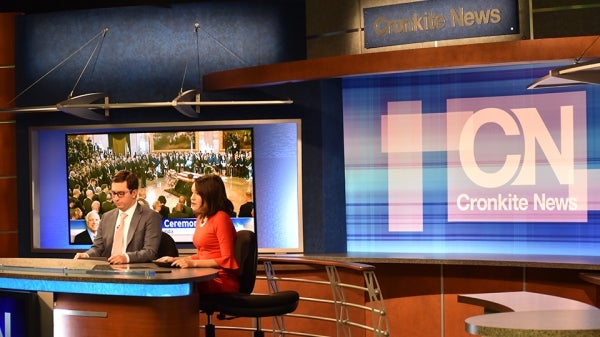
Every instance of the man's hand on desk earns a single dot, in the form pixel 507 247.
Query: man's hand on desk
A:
pixel 81 256
pixel 118 259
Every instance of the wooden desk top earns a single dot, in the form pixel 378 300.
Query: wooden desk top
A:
pixel 98 277
pixel 549 323
pixel 522 301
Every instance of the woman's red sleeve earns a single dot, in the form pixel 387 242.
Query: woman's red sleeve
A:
pixel 226 234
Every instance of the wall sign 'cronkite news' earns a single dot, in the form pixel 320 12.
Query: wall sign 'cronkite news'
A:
pixel 436 20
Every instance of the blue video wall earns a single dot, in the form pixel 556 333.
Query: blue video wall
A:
pixel 471 161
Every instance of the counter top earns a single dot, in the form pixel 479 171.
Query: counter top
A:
pixel 508 260
pixel 563 323
pixel 522 301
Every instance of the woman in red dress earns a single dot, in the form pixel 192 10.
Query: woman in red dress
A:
pixel 214 237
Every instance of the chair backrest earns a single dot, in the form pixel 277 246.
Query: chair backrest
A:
pixel 167 246
pixel 246 254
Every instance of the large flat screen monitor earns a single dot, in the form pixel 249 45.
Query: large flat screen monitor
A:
pixel 471 161
pixel 258 160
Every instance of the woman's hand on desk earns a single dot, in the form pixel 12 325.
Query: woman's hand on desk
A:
pixel 180 262
pixel 193 263
pixel 166 259
pixel 186 262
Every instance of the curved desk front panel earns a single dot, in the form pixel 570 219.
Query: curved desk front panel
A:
pixel 93 298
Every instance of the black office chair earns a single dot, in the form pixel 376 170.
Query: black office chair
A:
pixel 167 246
pixel 244 303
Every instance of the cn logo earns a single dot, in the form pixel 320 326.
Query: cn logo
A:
pixel 517 158
pixel 519 168
pixel 507 159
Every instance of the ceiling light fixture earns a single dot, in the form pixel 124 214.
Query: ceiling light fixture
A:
pixel 576 74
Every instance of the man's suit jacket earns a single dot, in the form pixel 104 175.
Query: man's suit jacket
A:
pixel 143 237
pixel 165 211
pixel 83 238
pixel 246 209
pixel 189 212
pixel 87 205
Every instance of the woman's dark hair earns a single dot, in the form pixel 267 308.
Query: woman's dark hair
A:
pixel 211 189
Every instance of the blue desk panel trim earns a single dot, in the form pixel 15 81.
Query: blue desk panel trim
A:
pixel 97 288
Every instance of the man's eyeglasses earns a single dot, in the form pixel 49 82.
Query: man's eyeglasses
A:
pixel 120 194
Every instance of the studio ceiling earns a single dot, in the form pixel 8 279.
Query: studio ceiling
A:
pixel 36 6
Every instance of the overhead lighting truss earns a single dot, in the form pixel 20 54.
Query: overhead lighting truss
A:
pixel 187 103
pixel 96 106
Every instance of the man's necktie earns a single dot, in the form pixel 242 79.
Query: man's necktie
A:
pixel 117 247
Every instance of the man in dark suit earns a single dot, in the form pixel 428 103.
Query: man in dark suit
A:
pixel 187 210
pixel 164 209
pixel 92 222
pixel 247 209
pixel 178 212
pixel 108 204
pixel 103 191
pixel 141 226
pixel 87 202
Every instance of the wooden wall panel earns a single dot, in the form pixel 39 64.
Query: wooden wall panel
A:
pixel 126 316
pixel 9 246
pixel 7 61
pixel 8 217
pixel 8 167
pixel 412 298
pixel 561 282
pixel 7 38
pixel 455 314
pixel 460 279
pixel 480 279
pixel 7 90
pixel 8 152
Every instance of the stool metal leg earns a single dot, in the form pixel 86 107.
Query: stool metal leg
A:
pixel 209 328
pixel 258 332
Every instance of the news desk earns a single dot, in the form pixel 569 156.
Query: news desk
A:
pixel 93 298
